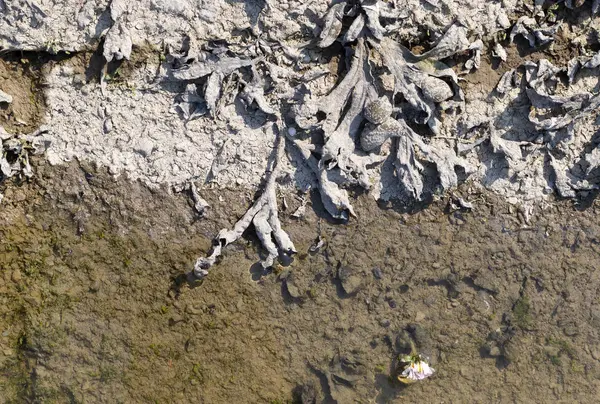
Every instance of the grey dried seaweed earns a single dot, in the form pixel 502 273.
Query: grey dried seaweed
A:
pixel 326 112
pixel 341 112
pixel 207 63
pixel 212 91
pixel 408 167
pixel 16 149
pixel 190 103
pixel 500 52
pixel 521 27
pixel 592 160
pixel 554 116
pixel 510 149
pixel 446 160
pixel 254 92
pixel 475 61
pixel 453 41
pixel 332 25
pixel 263 215
pixel 334 199
pixel 371 8
pixel 545 35
pixel 343 157
pixel 551 113
pixel 117 43
pixel 411 149
pixel 223 80
pixel 507 82
pixel 340 163
pixel 542 76
pixel 562 181
pixel 366 13
pixel 410 77
pixel 339 143
pixel 536 35
pixel 575 65
pixel 355 29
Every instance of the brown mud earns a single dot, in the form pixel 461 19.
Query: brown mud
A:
pixel 21 77
pixel 95 305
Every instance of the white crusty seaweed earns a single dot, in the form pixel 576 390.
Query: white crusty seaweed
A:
pixel 348 147
pixel 117 43
pixel 16 149
pixel 263 215
pixel 421 79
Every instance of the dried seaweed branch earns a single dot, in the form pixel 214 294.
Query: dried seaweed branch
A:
pixel 263 215
pixel 117 43
pixel 16 149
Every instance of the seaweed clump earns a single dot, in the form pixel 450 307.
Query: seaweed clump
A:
pixel 357 125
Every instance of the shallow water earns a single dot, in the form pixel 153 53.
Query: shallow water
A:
pixel 96 307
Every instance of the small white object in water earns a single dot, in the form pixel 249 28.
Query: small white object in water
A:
pixel 292 132
pixel 5 97
pixel 416 369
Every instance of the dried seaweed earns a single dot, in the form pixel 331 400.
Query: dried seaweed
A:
pixel 500 52
pixel 475 61
pixel 507 82
pixel 222 71
pixel 423 88
pixel 332 25
pixel 205 63
pixel 263 215
pixel 200 204
pixel 366 22
pixel 254 92
pixel 190 103
pixel 117 43
pixel 350 146
pixel 16 149
pixel 551 113
pixel 535 34
pixel 408 167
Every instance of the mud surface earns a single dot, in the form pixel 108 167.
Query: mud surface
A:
pixel 95 305
pixel 20 77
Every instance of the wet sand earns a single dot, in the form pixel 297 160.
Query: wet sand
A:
pixel 96 305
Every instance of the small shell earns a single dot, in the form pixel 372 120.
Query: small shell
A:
pixel 378 111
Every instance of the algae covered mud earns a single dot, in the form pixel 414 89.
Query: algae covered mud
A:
pixel 392 166
pixel 97 306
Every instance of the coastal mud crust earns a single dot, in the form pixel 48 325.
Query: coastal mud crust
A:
pixel 95 305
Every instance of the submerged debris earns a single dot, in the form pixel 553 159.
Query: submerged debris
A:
pixel 414 367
